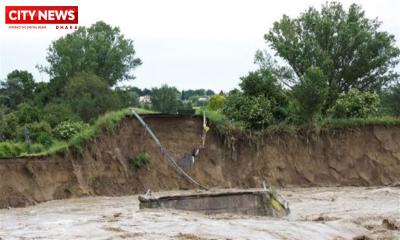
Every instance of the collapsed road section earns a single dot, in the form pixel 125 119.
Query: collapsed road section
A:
pixel 248 202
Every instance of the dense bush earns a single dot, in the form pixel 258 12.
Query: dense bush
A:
pixel 264 83
pixel 8 126
pixel 261 102
pixel 28 113
pixel 261 83
pixel 38 132
pixel 216 103
pixel 355 104
pixel 66 130
pixel 54 113
pixel 45 139
pixel 253 112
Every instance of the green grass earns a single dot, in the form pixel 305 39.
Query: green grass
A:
pixel 222 123
pixel 215 117
pixel 11 149
pixel 143 111
pixel 330 123
pixel 140 160
pixel 104 123
pixel 226 126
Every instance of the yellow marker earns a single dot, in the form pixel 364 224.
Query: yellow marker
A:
pixel 276 205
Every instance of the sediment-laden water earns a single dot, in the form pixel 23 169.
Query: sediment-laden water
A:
pixel 316 213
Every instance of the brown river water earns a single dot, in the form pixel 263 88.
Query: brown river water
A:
pixel 316 213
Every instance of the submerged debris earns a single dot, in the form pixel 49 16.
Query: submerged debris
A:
pixel 391 224
pixel 249 202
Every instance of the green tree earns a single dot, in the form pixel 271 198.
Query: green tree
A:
pixel 165 99
pixel 349 48
pixel 8 126
pixel 89 96
pixel 261 83
pixel 3 124
pixel 42 94
pixel 99 49
pixel 390 101
pixel 210 92
pixel 216 102
pixel 194 100
pixel 56 112
pixel 187 94
pixel 129 97
pixel 28 113
pixel 145 92
pixel 267 64
pixel 17 88
pixel 311 94
pixel 264 83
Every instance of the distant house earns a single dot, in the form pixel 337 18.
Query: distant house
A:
pixel 145 99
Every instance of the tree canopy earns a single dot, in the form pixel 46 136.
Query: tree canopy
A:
pixel 165 99
pixel 89 96
pixel 349 48
pixel 99 49
pixel 17 88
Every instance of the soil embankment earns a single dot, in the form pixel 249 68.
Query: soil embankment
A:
pixel 357 157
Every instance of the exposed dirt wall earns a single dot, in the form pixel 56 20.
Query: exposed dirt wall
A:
pixel 366 156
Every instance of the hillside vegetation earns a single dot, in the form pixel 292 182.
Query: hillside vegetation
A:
pixel 104 123
pixel 327 68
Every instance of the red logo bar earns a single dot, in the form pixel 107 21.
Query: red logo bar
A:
pixel 41 14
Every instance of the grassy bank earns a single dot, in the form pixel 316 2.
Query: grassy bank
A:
pixel 222 124
pixel 104 123
pixel 359 122
pixel 226 126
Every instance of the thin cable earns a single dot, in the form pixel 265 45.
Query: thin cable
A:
pixel 166 154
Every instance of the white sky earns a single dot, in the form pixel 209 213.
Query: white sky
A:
pixel 184 43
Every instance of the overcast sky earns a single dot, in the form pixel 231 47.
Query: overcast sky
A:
pixel 184 43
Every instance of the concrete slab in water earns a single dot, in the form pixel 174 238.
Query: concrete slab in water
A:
pixel 257 203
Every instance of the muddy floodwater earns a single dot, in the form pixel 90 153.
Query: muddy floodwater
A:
pixel 316 213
